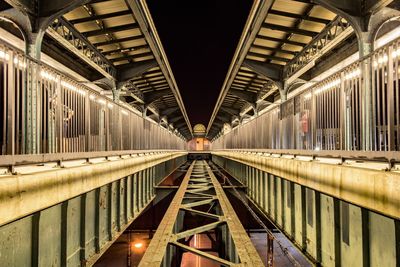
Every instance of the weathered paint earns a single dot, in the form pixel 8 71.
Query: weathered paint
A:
pixel 329 230
pixel 22 194
pixel 76 231
pixel 375 190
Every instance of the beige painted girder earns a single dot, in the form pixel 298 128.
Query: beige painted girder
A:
pixel 24 194
pixel 376 190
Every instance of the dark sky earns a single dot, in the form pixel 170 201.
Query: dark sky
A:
pixel 199 38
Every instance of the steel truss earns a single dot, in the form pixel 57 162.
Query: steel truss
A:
pixel 65 33
pixel 335 32
pixel 201 196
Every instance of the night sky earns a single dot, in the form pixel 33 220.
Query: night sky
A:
pixel 199 38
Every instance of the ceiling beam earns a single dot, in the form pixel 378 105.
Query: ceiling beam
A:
pixel 130 71
pixel 231 111
pixel 245 95
pixel 298 16
pixel 125 50
pixel 373 6
pixel 281 28
pixel 181 124
pixel 169 111
pixel 98 17
pixel 253 54
pixel 175 119
pixel 120 28
pixel 273 39
pixel 153 96
pixel 218 123
pixel 131 56
pixel 126 39
pixel 266 70
pixel 223 118
pixel 275 50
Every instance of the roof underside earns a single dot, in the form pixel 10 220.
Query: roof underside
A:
pixel 288 27
pixel 110 26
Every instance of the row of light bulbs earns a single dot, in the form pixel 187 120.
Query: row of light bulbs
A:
pixel 332 84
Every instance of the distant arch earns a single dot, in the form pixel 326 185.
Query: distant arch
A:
pixel 199 129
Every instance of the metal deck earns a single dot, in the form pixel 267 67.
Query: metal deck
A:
pixel 200 188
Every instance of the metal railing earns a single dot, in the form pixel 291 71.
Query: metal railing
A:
pixel 329 115
pixel 44 111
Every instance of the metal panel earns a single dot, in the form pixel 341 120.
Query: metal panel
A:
pixel 328 230
pixel 77 231
pixel 200 187
pixel 49 233
pixel 15 243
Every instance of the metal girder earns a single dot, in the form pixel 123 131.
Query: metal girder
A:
pixel 218 123
pixel 231 111
pixel 175 119
pixel 130 180
pixel 373 6
pixel 132 94
pixel 100 17
pixel 334 33
pixel 298 16
pixel 273 39
pixel 223 118
pixel 226 115
pixel 45 8
pixel 154 117
pixel 26 5
pixel 120 28
pixel 201 195
pixel 179 125
pixel 254 54
pixel 276 27
pixel 66 34
pixel 129 57
pixel 247 96
pixel 275 50
pixel 126 39
pixel 125 50
pixel 269 71
pixel 262 104
pixel 152 96
pixel 168 111
pixel 130 71
pixel 50 7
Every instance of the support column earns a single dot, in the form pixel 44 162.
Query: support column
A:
pixel 33 87
pixel 366 44
pixel 116 91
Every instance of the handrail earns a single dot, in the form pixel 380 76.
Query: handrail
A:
pixel 26 159
pixel 328 114
pixel 60 114
pixel 381 156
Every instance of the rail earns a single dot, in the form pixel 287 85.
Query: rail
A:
pixel 218 221
pixel 390 157
pixel 356 108
pixel 44 111
pixel 16 160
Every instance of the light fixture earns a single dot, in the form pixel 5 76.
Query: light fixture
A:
pixel 138 245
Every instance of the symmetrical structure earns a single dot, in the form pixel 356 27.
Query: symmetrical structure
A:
pixel 307 124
